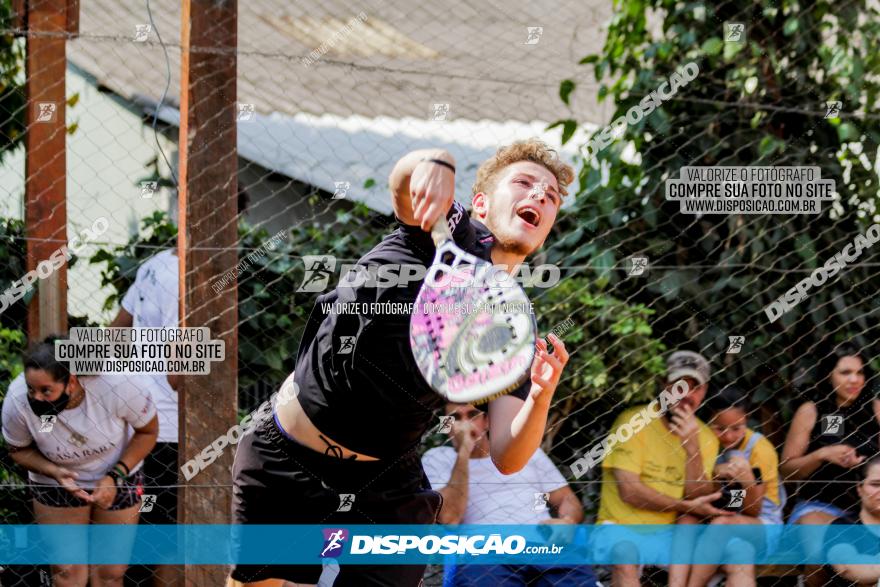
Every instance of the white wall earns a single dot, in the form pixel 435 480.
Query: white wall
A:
pixel 106 157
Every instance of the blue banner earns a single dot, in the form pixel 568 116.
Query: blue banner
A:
pixel 552 545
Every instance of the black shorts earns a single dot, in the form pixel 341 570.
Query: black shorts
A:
pixel 58 497
pixel 160 479
pixel 276 480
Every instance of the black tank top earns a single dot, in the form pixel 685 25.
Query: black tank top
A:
pixel 854 425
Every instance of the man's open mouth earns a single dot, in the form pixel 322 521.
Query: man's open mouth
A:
pixel 529 215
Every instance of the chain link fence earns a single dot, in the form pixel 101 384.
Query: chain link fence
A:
pixel 330 96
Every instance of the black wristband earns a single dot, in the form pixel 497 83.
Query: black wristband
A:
pixel 118 479
pixel 441 162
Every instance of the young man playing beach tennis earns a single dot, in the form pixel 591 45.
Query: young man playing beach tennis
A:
pixel 342 448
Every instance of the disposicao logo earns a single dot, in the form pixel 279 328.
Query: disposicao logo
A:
pixel 333 540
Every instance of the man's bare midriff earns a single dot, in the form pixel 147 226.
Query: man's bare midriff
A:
pixel 296 423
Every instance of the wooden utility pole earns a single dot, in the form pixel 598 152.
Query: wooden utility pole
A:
pixel 47 25
pixel 207 247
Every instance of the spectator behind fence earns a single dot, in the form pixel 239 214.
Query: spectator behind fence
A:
pixel 860 546
pixel 152 302
pixel 72 435
pixel 830 436
pixel 747 473
pixel 663 470
pixel 474 492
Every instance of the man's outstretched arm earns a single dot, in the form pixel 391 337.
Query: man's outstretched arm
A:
pixel 431 185
pixel 518 426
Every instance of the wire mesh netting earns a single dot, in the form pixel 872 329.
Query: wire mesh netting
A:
pixel 329 97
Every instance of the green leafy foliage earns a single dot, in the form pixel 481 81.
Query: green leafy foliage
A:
pixel 13 259
pixel 12 343
pixel 13 496
pixel 12 94
pixel 760 102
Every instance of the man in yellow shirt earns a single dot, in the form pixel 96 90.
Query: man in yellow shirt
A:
pixel 660 471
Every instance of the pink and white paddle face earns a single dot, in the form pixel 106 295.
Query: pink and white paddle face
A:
pixel 472 331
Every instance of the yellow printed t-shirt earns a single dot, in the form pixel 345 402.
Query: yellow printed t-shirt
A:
pixel 657 456
pixel 765 458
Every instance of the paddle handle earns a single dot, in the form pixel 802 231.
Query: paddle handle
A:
pixel 440 231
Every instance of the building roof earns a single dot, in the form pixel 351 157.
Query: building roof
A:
pixel 400 60
pixel 340 93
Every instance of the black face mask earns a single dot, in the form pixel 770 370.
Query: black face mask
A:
pixel 50 408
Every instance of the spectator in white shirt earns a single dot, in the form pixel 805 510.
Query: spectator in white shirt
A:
pixel 152 302
pixel 474 492
pixel 74 436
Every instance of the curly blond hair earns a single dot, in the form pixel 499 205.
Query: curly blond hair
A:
pixel 533 150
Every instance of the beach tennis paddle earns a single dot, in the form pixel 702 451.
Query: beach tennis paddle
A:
pixel 472 330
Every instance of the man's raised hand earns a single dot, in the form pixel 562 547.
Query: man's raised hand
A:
pixel 432 189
